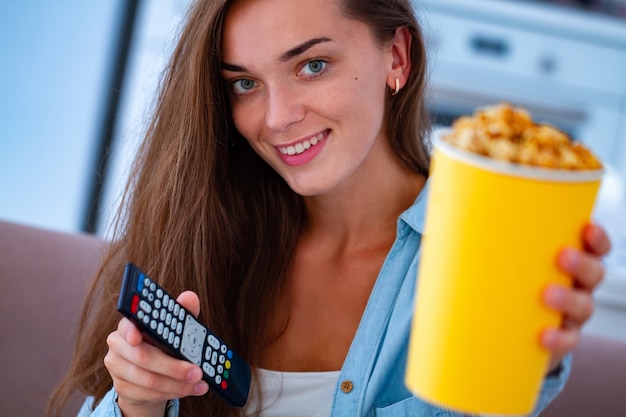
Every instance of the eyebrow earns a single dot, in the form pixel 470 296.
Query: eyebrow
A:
pixel 284 57
pixel 302 48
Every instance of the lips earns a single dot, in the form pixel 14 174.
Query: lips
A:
pixel 301 147
pixel 304 151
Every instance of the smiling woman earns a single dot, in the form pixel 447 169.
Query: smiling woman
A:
pixel 340 106
pixel 283 181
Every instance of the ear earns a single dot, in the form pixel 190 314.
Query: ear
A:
pixel 400 58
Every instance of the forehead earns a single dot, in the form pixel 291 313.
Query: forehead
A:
pixel 252 27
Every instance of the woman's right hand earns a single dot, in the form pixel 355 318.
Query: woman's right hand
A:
pixel 145 377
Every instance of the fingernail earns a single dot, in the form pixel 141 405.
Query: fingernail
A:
pixel 194 374
pixel 570 257
pixel 555 295
pixel 550 338
pixel 200 388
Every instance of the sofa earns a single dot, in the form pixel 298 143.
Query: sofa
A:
pixel 45 275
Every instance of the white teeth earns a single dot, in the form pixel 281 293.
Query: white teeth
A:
pixel 302 146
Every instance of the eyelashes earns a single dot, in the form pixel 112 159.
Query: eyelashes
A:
pixel 311 69
pixel 243 86
pixel 314 67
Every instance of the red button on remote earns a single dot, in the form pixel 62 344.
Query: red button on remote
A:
pixel 224 385
pixel 135 304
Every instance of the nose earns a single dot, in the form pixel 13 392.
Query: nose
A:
pixel 284 107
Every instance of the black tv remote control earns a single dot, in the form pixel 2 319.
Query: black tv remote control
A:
pixel 179 333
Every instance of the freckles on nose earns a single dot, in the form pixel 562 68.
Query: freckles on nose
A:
pixel 282 109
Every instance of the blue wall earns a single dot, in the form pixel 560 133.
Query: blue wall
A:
pixel 55 66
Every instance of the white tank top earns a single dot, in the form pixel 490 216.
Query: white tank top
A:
pixel 294 394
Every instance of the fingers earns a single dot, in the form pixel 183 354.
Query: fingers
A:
pixel 585 265
pixel 595 240
pixel 190 301
pixel 575 305
pixel 585 268
pixel 146 376
pixel 152 359
pixel 560 341
pixel 149 362
pixel 129 332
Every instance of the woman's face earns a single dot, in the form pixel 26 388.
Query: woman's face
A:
pixel 307 89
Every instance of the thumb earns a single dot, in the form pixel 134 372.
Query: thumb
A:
pixel 190 301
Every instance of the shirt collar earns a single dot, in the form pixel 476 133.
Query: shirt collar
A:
pixel 413 218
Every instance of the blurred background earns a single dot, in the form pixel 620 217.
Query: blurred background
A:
pixel 78 80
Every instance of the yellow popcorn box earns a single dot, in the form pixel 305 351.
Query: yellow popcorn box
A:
pixel 492 234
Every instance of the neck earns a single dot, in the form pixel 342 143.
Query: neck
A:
pixel 365 211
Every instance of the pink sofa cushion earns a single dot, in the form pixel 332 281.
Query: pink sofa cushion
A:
pixel 44 276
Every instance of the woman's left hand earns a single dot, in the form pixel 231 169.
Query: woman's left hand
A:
pixel 575 303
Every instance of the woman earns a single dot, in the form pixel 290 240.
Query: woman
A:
pixel 282 181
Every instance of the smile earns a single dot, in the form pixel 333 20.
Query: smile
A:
pixel 303 146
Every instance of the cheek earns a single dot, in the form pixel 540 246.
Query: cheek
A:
pixel 246 121
pixel 364 104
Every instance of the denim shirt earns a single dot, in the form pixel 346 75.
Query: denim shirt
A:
pixel 371 381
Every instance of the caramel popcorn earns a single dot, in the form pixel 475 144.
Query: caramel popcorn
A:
pixel 509 133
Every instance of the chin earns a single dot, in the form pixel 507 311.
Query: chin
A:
pixel 307 189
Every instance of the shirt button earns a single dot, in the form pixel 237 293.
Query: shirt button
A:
pixel 347 386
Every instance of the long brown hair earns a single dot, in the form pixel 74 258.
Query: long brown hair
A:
pixel 202 211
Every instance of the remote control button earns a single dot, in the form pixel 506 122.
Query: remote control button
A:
pixel 171 305
pixel 176 309
pixel 155 314
pixel 160 329
pixel 134 304
pixel 146 319
pixel 221 359
pixel 193 337
pixel 220 369
pixel 166 333
pixel 168 319
pixel 207 353
pixel 159 293
pixel 226 374
pixel 145 306
pixel 224 385
pixel 224 349
pixel 179 328
pixel 174 323
pixel 227 364
pixel 176 342
pixel 146 280
pixel 153 324
pixel 170 338
pixel 218 379
pixel 140 314
pixel 181 315
pixel 229 354
pixel 152 287
pixel 215 344
pixel 214 359
pixel 193 340
pixel 166 299
pixel 157 303
pixel 145 293
pixel 210 371
pixel 163 314
pixel 151 297
pixel 140 282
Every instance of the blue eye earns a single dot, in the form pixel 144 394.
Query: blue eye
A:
pixel 243 85
pixel 314 67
